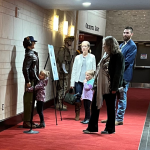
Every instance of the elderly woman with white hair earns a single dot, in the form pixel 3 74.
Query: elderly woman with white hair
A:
pixel 82 63
pixel 109 76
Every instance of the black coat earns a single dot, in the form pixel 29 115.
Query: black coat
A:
pixel 30 65
pixel 116 70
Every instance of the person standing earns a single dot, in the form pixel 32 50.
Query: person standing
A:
pixel 63 63
pixel 82 63
pixel 109 75
pixel 30 71
pixel 40 95
pixel 129 50
pixel 87 94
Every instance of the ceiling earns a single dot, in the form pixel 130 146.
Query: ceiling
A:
pixel 95 4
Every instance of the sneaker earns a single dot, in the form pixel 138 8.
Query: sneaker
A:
pixel 118 123
pixel 82 121
pixel 86 121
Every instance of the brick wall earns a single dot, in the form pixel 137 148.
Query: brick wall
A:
pixel 32 20
pixel 117 20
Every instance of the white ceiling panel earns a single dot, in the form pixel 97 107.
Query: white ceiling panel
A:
pixel 95 4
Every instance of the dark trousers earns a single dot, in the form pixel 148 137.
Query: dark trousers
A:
pixel 110 103
pixel 39 108
pixel 87 104
pixel 93 123
pixel 78 89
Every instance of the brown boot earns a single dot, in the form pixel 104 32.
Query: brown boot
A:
pixel 77 110
pixel 27 124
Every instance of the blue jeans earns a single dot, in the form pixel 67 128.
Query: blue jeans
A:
pixel 122 104
pixel 78 89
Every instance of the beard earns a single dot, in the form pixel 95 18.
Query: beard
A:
pixel 126 38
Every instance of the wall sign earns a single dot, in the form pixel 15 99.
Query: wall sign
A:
pixel 90 27
pixel 143 56
pixel 53 62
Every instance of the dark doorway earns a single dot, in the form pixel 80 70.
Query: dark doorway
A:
pixel 141 69
pixel 95 42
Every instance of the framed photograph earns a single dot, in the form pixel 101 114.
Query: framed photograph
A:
pixel 143 56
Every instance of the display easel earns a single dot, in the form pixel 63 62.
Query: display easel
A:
pixel 54 77
pixel 54 87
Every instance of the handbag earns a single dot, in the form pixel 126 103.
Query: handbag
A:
pixel 70 97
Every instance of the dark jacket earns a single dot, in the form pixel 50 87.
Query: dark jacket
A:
pixel 116 70
pixel 30 65
pixel 129 52
pixel 40 89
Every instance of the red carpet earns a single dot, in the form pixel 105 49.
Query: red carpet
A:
pixel 67 135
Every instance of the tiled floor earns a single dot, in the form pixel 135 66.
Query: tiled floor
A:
pixel 145 138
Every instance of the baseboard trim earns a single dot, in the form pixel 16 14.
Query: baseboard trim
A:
pixel 140 85
pixel 12 121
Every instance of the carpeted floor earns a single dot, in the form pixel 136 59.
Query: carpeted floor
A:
pixel 68 135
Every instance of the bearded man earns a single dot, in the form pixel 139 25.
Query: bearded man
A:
pixel 129 50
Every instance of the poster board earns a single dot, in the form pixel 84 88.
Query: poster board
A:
pixel 143 56
pixel 53 62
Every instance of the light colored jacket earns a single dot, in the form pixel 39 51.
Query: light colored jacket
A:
pixel 76 69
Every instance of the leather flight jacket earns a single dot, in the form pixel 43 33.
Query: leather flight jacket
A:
pixel 30 67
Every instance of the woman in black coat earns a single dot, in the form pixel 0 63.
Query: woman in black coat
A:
pixel 30 71
pixel 114 72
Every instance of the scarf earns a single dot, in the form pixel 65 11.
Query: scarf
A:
pixel 102 79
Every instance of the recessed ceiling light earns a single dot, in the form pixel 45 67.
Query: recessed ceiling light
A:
pixel 86 4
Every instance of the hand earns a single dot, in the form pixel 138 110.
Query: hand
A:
pixel 71 87
pixel 28 85
pixel 81 99
pixel 113 92
pixel 85 81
